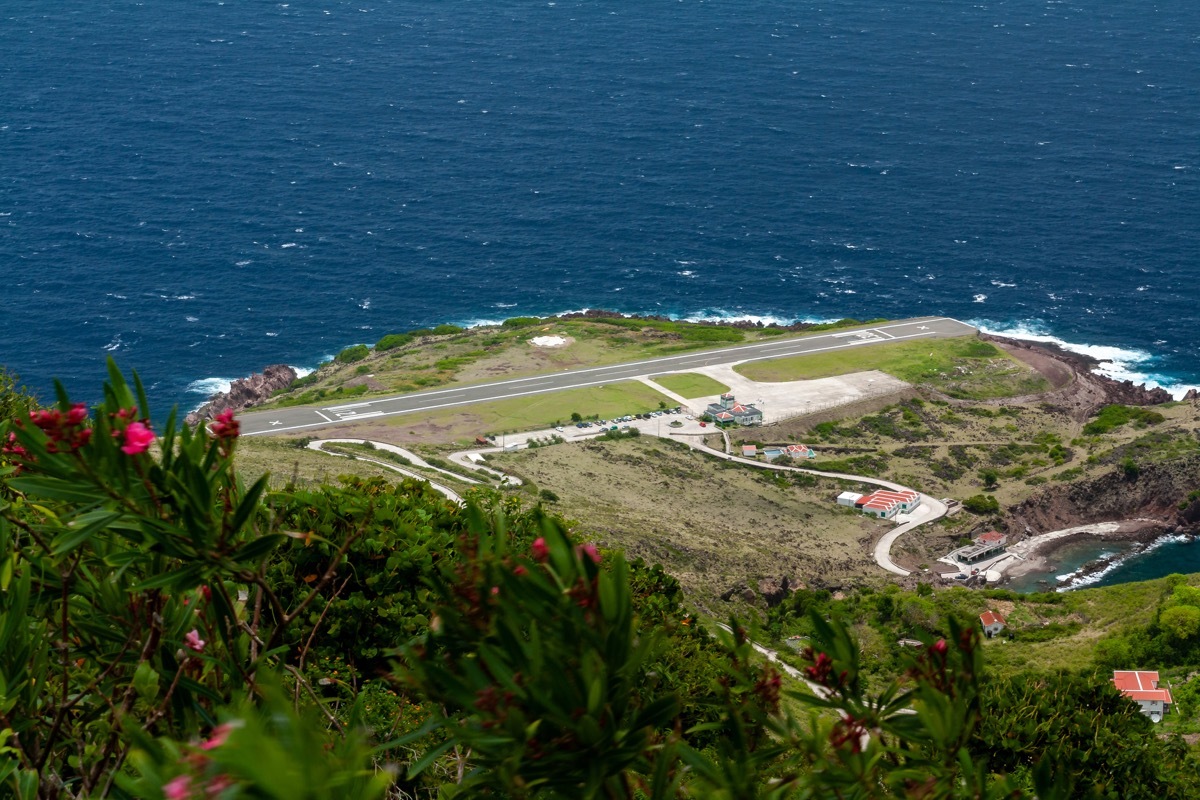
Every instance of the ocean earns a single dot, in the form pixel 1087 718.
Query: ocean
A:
pixel 199 189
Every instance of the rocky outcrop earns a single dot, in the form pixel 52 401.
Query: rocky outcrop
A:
pixel 1192 395
pixel 1154 496
pixel 1089 391
pixel 245 393
pixel 775 590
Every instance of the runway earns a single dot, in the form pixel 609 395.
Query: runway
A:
pixel 285 420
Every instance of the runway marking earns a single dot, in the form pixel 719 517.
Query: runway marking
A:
pixel 720 354
pixel 319 414
pixel 277 422
pixel 353 416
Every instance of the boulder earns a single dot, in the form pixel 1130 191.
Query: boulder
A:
pixel 245 393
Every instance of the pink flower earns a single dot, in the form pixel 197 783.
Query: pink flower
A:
pixel 225 426
pixel 193 641
pixel 217 785
pixel 540 551
pixel 939 647
pixel 219 735
pixel 138 438
pixel 179 788
pixel 77 414
pixel 590 551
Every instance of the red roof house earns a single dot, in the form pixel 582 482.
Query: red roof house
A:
pixel 1142 687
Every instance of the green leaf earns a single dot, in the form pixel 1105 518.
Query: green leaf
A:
pixel 257 548
pixel 53 489
pixel 82 528
pixel 420 765
pixel 145 681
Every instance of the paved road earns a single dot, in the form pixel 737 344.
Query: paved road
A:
pixel 294 419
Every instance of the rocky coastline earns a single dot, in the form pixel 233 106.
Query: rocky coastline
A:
pixel 245 393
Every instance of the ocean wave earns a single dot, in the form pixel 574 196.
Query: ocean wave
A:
pixel 1118 363
pixel 1083 577
pixel 209 386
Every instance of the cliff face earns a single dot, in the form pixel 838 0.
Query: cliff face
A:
pixel 245 393
pixel 1088 391
pixel 1154 495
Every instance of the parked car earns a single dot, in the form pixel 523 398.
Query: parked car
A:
pixel 689 416
pixel 559 429
pixel 703 424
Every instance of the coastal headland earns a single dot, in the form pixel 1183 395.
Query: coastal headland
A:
pixel 966 416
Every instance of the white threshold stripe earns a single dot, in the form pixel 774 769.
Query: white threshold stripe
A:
pixel 841 346
pixel 699 354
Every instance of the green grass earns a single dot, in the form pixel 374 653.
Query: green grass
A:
pixel 962 367
pixel 690 384
pixel 544 410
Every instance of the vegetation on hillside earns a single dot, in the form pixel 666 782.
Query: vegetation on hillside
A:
pixel 168 630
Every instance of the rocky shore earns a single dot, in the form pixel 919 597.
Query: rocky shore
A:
pixel 245 393
pixel 1079 390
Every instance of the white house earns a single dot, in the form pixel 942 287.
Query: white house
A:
pixel 1142 687
pixel 992 622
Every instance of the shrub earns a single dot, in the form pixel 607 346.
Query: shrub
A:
pixel 982 504
pixel 354 353
pixel 521 322
pixel 447 330
pixel 1114 416
pixel 392 341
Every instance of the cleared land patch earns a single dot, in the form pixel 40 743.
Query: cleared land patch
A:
pixel 963 367
pixel 690 384
pixel 712 524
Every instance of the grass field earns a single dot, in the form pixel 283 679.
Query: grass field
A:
pixel 287 460
pixel 712 524
pixel 963 367
pixel 690 384
pixel 478 355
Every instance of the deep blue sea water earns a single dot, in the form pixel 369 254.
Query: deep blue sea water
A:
pixel 203 188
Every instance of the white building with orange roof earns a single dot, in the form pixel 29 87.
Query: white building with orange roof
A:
pixel 1142 687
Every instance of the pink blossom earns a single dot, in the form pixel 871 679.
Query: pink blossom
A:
pixel 217 785
pixel 179 788
pixel 225 426
pixel 193 641
pixel 939 647
pixel 540 551
pixel 219 735
pixel 590 551
pixel 138 438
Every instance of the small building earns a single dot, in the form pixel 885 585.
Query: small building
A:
pixel 848 499
pixel 906 498
pixel 1142 687
pixel 881 507
pixel 986 545
pixel 772 453
pixel 992 622
pixel 749 451
pixel 727 409
pixel 800 451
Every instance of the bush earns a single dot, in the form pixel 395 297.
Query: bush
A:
pixel 351 354
pixel 521 322
pixel 982 504
pixel 447 330
pixel 548 496
pixel 392 341
pixel 1114 416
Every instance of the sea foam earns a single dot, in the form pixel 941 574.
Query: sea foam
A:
pixel 1119 363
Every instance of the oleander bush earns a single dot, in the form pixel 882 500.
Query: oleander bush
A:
pixel 169 630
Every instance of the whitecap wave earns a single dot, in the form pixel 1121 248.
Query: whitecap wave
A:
pixel 1118 363
pixel 209 386
pixel 979 298
pixel 303 372
pixel 1081 577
